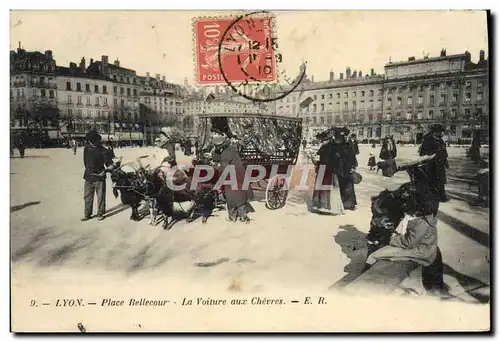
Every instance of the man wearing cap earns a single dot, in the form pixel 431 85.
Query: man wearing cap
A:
pixel 167 141
pixel 97 160
pixel 433 143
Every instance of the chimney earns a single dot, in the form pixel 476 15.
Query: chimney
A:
pixel 443 53
pixel 158 77
pixel 19 47
pixel 312 79
pixel 372 72
pixel 147 77
pixel 332 75
pixel 48 53
pixel 117 63
pixel 360 74
pixel 467 56
pixel 341 75
pixel 163 78
pixel 481 56
pixel 72 65
pixel 104 67
pixel 411 59
pixel 354 74
pixel 91 61
pixel 347 72
pixel 82 64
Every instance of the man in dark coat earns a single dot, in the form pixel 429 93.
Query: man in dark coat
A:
pixel 97 161
pixel 353 141
pixel 20 145
pixel 238 199
pixel 388 153
pixel 433 143
pixel 344 166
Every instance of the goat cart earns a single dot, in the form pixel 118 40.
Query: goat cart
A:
pixel 271 141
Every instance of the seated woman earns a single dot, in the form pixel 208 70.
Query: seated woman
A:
pixel 413 245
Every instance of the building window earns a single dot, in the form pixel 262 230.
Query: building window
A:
pixel 88 100
pixel 104 90
pixel 467 97
pixel 354 105
pixel 353 94
pixel 97 101
pixel 480 84
pixel 322 96
pixel 419 116
pixel 346 105
pixel 389 91
pixel 105 101
pixel 322 107
pixel 431 99
pixel 135 92
pixel 441 113
pixel 443 98
pixel 122 91
pixel 399 101
pixel 330 96
pixel 454 85
pixel 479 111
pixel 116 102
pixel 371 104
pixel 362 104
pixel 409 116
pixel 42 92
pixel 389 101
pixel 467 113
pixel 314 119
pixel 371 92
pixel 315 107
pixel 338 95
pixel 479 97
pixel 430 114
pixel 115 90
pixel 69 99
pixel 454 97
pixel 122 102
pixel 70 112
pixel 468 85
pixel 128 91
pixel 398 116
pixel 453 113
pixel 51 94
pixel 362 93
pixel 432 87
pixel 79 100
pixel 78 87
pixel 68 85
pixel 442 86
pixel 379 103
pixel 420 88
pixel 87 88
pixel 96 89
pixel 410 101
pixel 322 120
pixel 420 100
pixel 315 97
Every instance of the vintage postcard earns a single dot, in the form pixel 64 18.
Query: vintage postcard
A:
pixel 250 171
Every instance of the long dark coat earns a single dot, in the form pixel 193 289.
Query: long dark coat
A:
pixel 385 153
pixel 436 169
pixel 343 161
pixel 228 155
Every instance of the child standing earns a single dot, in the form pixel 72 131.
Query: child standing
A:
pixel 372 162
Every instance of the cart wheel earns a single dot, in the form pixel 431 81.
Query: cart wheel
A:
pixel 276 193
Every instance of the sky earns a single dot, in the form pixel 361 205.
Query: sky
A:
pixel 161 42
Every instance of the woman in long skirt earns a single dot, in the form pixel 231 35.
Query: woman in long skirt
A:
pixel 326 200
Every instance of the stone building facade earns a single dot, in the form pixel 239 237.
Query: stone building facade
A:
pixel 403 102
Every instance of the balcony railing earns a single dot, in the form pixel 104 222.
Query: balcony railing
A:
pixel 44 85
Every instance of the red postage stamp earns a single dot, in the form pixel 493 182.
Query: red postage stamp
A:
pixel 246 46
